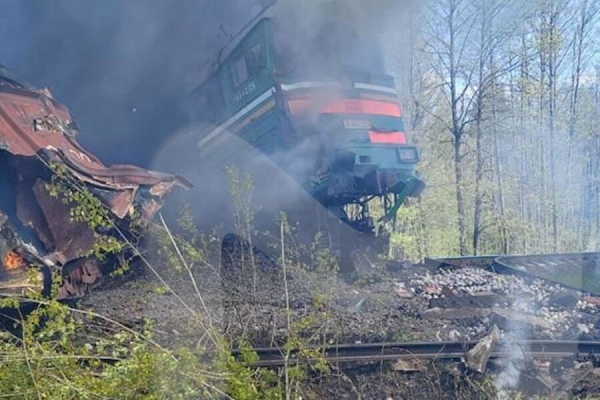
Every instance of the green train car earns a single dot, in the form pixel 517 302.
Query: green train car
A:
pixel 331 122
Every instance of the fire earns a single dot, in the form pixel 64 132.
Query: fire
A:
pixel 13 260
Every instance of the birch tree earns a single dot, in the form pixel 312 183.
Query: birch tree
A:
pixel 449 36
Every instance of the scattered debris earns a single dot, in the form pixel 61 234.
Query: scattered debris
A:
pixel 479 355
pixel 432 289
pixel 592 300
pixel 571 378
pixel 543 377
pixel 402 292
pixel 37 143
pixel 358 305
pixel 389 316
pixel 397 266
pixel 563 299
pixel 513 319
pixel 478 300
pixel 455 313
pixel 409 365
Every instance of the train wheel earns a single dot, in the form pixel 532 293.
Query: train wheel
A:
pixel 231 261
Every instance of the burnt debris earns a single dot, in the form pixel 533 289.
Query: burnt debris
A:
pixel 37 228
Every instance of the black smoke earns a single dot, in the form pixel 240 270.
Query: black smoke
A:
pixel 124 68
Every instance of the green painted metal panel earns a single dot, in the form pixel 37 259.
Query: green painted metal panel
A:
pixel 247 72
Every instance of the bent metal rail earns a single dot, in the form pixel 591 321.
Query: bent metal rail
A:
pixel 548 267
pixel 275 357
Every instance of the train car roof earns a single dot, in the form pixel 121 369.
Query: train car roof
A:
pixel 268 12
pixel 9 78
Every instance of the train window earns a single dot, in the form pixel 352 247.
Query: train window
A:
pixel 248 65
pixel 239 71
pixel 255 59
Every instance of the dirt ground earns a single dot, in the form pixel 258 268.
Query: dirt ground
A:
pixel 395 302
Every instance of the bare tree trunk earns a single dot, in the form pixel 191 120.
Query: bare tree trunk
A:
pixel 450 42
pixel 552 77
pixel 478 178
pixel 588 13
pixel 458 114
pixel 460 205
pixel 499 182
pixel 478 134
pixel 542 204
pixel 524 109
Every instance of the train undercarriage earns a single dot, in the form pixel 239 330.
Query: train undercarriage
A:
pixel 354 227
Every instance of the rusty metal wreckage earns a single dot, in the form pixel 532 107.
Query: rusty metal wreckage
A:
pixel 36 228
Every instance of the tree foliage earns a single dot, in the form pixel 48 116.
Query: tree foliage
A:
pixel 502 99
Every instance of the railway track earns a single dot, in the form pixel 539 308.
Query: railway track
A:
pixel 578 271
pixel 353 353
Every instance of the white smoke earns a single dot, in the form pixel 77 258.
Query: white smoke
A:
pixel 356 29
pixel 515 333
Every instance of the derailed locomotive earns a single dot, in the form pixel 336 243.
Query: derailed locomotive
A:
pixel 38 235
pixel 324 113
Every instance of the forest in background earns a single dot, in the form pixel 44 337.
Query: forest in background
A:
pixel 503 100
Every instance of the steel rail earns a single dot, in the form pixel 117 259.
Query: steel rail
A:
pixel 515 259
pixel 521 265
pixel 349 353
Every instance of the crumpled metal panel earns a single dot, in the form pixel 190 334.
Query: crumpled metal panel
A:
pixel 72 239
pixel 32 124
pixel 35 133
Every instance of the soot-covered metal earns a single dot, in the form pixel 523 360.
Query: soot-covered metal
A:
pixel 36 227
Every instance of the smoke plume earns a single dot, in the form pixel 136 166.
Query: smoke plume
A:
pixel 510 376
pixel 124 68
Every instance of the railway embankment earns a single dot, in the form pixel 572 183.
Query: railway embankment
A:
pixel 458 302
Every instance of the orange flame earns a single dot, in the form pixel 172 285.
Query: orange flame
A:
pixel 13 260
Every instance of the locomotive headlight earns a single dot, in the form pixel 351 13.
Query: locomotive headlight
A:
pixel 407 154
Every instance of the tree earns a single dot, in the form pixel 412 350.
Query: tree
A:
pixel 449 33
pixel 505 106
